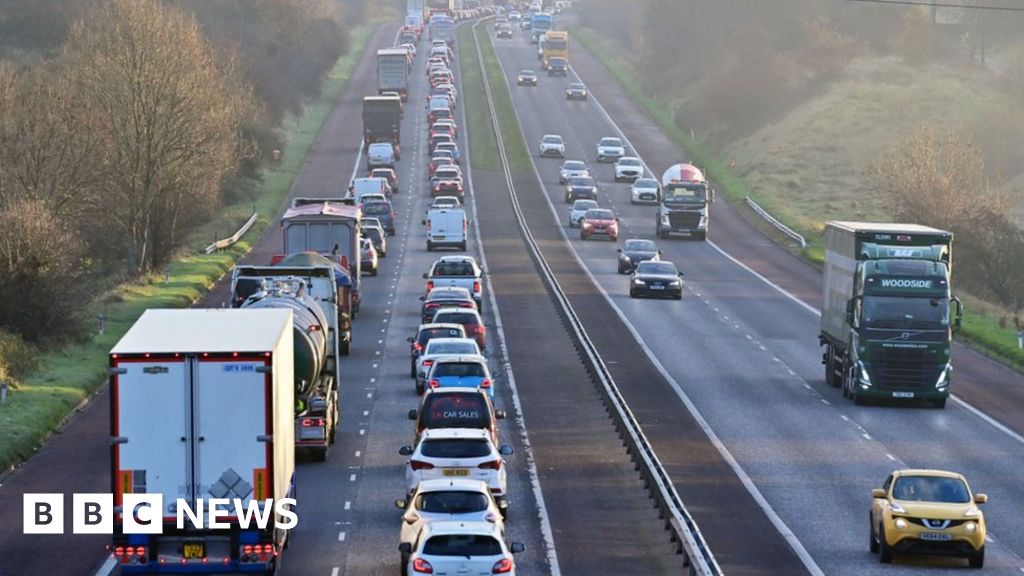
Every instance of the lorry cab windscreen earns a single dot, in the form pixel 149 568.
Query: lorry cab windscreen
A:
pixel 906 312
pixel 686 194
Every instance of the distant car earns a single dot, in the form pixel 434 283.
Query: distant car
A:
pixel 927 512
pixel 425 333
pixel 436 161
pixel 658 279
pixel 450 172
pixel 526 78
pixel 470 320
pixel 388 174
pixel 456 408
pixel 463 371
pixel 410 47
pixel 457 453
pixel 450 147
pixel 436 139
pixel 628 168
pixel 558 66
pixel 448 188
pixel 578 209
pixel 635 251
pixel 599 222
pixel 437 348
pixel 445 202
pixel 444 499
pixel 576 91
pixel 551 145
pixel 368 256
pixel 448 122
pixel 581 187
pixel 610 149
pixel 450 547
pixel 504 31
pixel 385 214
pixel 375 232
pixel 645 190
pixel 572 169
pixel 445 297
pixel 461 271
pixel 515 16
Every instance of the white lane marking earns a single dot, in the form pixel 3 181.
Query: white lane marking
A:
pixel 366 412
pixel 348 504
pixel 891 457
pixel 990 420
pixel 866 436
pixel 335 571
pixel 352 478
pixel 825 402
pixel 359 453
pixel 108 566
pixel 748 483
pixel 341 536
pixel 844 417
pixel 547 534
pixel 369 394
pixel 355 168
pixel 362 431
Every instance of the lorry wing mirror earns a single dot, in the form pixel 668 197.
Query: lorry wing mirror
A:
pixel 405 548
pixel 425 276
pixel 959 318
pixel 851 312
pixel 713 194
pixel 619 250
pixel 410 339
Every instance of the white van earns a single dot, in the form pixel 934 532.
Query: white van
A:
pixel 446 228
pixel 380 155
pixel 362 186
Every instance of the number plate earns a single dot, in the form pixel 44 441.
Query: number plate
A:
pixel 194 550
pixel 902 394
pixel 935 536
pixel 656 287
pixel 438 236
pixel 456 471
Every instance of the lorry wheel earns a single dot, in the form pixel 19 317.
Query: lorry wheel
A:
pixel 830 369
pixel 320 455
pixel 940 404
pixel 420 388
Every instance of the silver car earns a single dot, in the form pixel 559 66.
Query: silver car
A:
pixel 552 145
pixel 645 190
pixel 610 149
pixel 572 169
pixel 578 210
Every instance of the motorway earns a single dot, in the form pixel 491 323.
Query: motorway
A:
pixel 745 355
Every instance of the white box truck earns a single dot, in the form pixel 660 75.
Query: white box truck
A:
pixel 393 71
pixel 202 407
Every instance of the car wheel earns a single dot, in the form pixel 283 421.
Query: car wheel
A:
pixel 679 296
pixel 384 254
pixel 632 294
pixel 420 388
pixel 463 246
pixel 701 236
pixel 567 199
pixel 373 272
pixel 884 550
pixel 977 559
pixel 872 541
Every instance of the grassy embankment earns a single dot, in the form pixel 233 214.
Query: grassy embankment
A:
pixel 811 166
pixel 69 375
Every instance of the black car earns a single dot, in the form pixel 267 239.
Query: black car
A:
pixel 504 31
pixel 558 66
pixel 635 251
pixel 576 91
pixel 656 279
pixel 424 334
pixel 447 297
pixel 526 78
pixel 581 187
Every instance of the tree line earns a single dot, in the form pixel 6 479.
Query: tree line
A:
pixel 125 123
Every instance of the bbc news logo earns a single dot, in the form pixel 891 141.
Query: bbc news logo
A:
pixel 143 513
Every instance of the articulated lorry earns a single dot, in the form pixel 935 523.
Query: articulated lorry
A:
pixel 382 121
pixel 442 27
pixel 540 23
pixel 201 416
pixel 393 72
pixel 886 314
pixel 685 203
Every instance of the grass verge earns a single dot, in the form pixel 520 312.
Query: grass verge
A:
pixel 69 375
pixel 518 157
pixel 482 144
pixel 980 330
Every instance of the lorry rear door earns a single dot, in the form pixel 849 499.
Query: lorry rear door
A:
pixel 149 405
pixel 233 428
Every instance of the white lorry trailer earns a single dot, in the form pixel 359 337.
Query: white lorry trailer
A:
pixel 202 407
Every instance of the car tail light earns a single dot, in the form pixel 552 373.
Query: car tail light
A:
pixel 427 363
pixel 422 566
pixel 492 465
pixel 478 329
pixel 430 285
pixel 486 383
pixel 434 383
pixel 476 286
pixel 417 347
pixel 420 465
pixel 503 566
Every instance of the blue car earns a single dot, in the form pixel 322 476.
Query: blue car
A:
pixel 383 212
pixel 467 371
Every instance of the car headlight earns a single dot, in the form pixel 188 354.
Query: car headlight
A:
pixel 943 380
pixel 638 282
pixel 971 527
pixel 624 257
pixel 901 524
pixel 972 512
pixel 675 283
pixel 895 507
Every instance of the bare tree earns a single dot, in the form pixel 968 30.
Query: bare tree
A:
pixel 169 121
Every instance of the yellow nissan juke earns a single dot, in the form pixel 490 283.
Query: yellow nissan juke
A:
pixel 927 512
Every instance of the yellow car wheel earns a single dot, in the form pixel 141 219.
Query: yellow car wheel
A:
pixel 884 550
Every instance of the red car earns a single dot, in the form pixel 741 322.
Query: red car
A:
pixel 470 321
pixel 599 222
pixel 448 188
pixel 442 129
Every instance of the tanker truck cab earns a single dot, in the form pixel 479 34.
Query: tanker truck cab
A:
pixel 685 203
pixel 888 314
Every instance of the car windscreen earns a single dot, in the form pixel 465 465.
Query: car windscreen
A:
pixel 459 369
pixel 456 448
pixel 376 209
pixel 639 246
pixel 552 139
pixel 646 183
pixel 931 489
pixel 452 348
pixel 611 142
pixel 582 182
pixel 451 502
pixel 455 410
pixel 372 234
pixel 444 174
pixel 454 268
pixel 428 333
pixel 467 545
pixel 457 318
pixel 574 166
pixel 629 162
pixel 575 86
pixel 584 205
pixel 599 214
pixel 656 268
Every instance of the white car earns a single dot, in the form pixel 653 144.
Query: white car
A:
pixel 610 149
pixel 552 145
pixel 457 453
pixel 644 190
pixel 411 48
pixel 438 347
pixel 628 168
pixel 572 169
pixel 445 202
pixel 578 210
pixel 448 499
pixel 453 547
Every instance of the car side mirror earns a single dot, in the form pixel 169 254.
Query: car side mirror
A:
pixel 505 450
pixel 410 339
pixel 405 451
pixel 958 318
pixel 681 274
pixel 422 298
pixel 405 548
pixel 713 194
pixel 617 219
pixel 500 414
pixel 619 250
pixel 425 275
pixel 412 414
pixel 659 252
pixel 517 547
pixel 423 222
pixel 400 504
pixel 878 493
pixel 981 498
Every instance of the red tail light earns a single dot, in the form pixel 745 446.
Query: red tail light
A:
pixel 420 465
pixel 422 566
pixel 430 285
pixel 503 566
pixel 492 465
pixel 428 363
pixel 434 383
pixel 476 286
pixel 417 347
pixel 478 329
pixel 486 383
